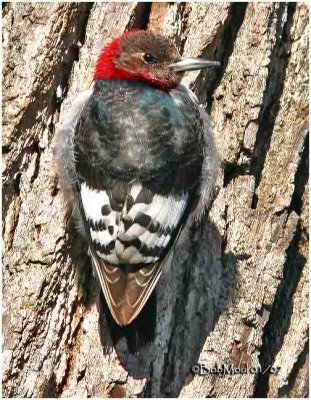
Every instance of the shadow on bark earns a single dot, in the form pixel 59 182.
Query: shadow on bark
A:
pixel 197 309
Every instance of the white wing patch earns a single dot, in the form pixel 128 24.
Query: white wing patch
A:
pixel 93 201
pixel 140 233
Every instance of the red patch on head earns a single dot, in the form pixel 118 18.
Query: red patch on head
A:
pixel 106 68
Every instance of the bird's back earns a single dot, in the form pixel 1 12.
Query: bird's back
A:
pixel 132 131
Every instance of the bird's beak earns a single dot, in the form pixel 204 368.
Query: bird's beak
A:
pixel 190 64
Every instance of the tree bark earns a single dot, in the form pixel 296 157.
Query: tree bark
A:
pixel 237 290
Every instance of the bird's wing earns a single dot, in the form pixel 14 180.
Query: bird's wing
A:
pixel 65 157
pixel 185 100
pixel 63 143
pixel 129 244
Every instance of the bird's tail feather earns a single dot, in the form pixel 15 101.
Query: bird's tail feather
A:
pixel 131 342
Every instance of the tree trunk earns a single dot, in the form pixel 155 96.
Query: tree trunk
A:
pixel 237 291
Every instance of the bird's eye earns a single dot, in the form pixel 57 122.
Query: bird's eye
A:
pixel 149 58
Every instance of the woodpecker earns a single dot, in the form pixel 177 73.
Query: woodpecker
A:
pixel 137 162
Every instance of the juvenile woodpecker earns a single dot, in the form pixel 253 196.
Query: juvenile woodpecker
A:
pixel 137 159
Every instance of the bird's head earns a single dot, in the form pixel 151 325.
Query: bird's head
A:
pixel 145 56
